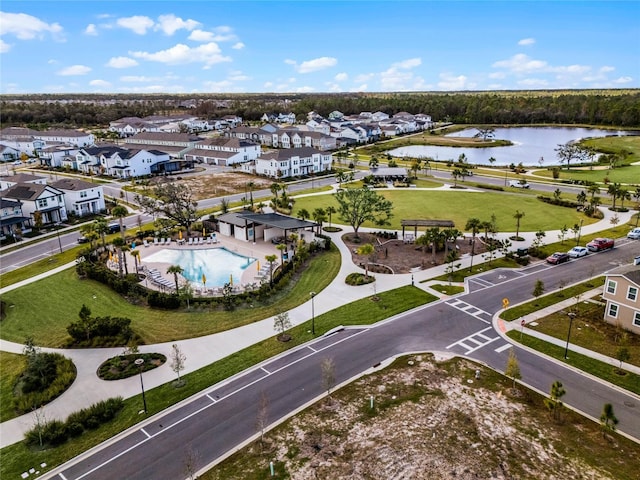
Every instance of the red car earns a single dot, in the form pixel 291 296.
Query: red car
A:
pixel 598 244
pixel 557 258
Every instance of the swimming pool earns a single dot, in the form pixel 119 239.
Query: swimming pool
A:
pixel 218 265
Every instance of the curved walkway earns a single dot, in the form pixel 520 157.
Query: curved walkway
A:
pixel 202 351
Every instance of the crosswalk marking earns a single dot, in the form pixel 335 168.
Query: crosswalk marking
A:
pixel 503 348
pixel 475 341
pixel 469 309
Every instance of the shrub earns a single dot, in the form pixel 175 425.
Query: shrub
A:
pixel 359 279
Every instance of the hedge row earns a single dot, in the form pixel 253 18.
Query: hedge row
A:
pixel 559 202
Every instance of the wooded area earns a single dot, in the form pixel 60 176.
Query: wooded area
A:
pixel 619 108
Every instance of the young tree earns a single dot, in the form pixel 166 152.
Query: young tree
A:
pixel 175 270
pixel 563 234
pixel 281 324
pixel 173 201
pixel 554 402
pixel 177 362
pixel 518 216
pixel 367 250
pixel 359 205
pixel 622 355
pixel 330 211
pixel 328 369
pixel 538 288
pixel 262 419
pixel 473 224
pixel 608 419
pixel 452 256
pixel 513 368
pixel 271 259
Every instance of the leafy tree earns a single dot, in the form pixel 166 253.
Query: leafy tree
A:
pixel 513 368
pixel 485 134
pixel 622 355
pixel 450 260
pixel 554 402
pixel 373 163
pixel 177 362
pixel 281 324
pixel 538 288
pixel 359 205
pixel 174 201
pixel 328 369
pixel 608 419
pixel 175 270
pixel 581 198
pixel 120 212
pixel 570 152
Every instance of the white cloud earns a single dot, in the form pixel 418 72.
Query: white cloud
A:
pixel 121 62
pixel 208 54
pixel 137 78
pixel 4 46
pixel 238 46
pixel 527 41
pixel 572 69
pixel 314 65
pixel 91 30
pixel 100 83
pixel 606 69
pixel 28 27
pixel 268 84
pixel 364 77
pixel 341 77
pixel 497 75
pixel 623 80
pixel 333 87
pixel 449 82
pixel 137 24
pixel 399 76
pixel 74 70
pixel 305 89
pixel 360 88
pixel 170 24
pixel 238 77
pixel 521 63
pixel 201 36
pixel 405 64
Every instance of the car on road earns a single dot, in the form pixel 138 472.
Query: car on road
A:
pixel 634 234
pixel 576 252
pixel 83 240
pixel 599 244
pixel 519 184
pixel 17 162
pixel 558 258
pixel 114 227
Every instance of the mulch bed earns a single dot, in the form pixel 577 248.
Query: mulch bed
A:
pixel 396 256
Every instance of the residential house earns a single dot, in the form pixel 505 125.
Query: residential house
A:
pixel 80 197
pixel 8 181
pixel 59 156
pixel 38 200
pixel 8 153
pixel 24 140
pixel 292 162
pixel 175 144
pixel 251 227
pixel 12 220
pixel 622 294
pixel 129 126
pixel 125 162
pixel 224 151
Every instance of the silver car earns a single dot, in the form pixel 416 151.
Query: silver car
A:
pixel 634 234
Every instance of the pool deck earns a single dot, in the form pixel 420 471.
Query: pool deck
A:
pixel 249 278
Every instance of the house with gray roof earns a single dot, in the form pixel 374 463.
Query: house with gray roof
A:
pixel 81 198
pixel 250 227
pixel 12 220
pixel 44 201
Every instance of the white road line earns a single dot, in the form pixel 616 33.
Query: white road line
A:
pixel 211 398
pixel 143 431
pixel 503 348
pixel 62 476
pixel 484 344
pixel 265 370
pixel 312 349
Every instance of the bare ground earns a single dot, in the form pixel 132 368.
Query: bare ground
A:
pixel 434 420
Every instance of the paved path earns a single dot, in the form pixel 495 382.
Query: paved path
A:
pixel 202 351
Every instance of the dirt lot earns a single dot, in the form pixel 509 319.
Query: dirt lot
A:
pixel 396 256
pixel 434 420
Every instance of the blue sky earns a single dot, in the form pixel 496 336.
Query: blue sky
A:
pixel 116 46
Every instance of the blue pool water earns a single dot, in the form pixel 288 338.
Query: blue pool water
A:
pixel 218 265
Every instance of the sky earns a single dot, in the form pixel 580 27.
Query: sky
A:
pixel 213 46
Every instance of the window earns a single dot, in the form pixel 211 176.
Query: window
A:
pixel 83 194
pixel 611 287
pixel 636 319
pixel 613 310
pixel 42 203
pixel 632 294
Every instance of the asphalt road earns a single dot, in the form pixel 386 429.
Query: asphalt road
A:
pixel 214 423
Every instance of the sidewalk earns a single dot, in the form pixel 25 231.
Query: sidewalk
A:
pixel 202 351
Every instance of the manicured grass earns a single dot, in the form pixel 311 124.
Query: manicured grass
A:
pixel 46 317
pixel 460 206
pixel 17 458
pixel 550 299
pixel 629 174
pixel 629 381
pixel 461 274
pixel 447 289
pixel 12 366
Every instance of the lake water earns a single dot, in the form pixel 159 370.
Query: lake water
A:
pixel 530 144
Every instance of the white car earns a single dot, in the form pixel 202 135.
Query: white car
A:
pixel 576 252
pixel 518 184
pixel 634 234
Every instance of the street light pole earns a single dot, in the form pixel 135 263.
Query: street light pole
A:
pixel 572 315
pixel 313 314
pixel 579 232
pixel 58 234
pixel 139 362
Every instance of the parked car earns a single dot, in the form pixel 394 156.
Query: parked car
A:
pixel 558 258
pixel 17 162
pixel 114 227
pixel 576 252
pixel 519 184
pixel 634 234
pixel 83 240
pixel 598 244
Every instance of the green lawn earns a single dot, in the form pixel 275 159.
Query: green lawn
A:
pixel 46 317
pixel 11 366
pixel 629 174
pixel 459 206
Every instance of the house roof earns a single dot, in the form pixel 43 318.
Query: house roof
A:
pixel 6 203
pixel 287 153
pixel 229 142
pixel 631 272
pixel 74 184
pixel 27 191
pixel 389 172
pixel 203 152
pixel 165 137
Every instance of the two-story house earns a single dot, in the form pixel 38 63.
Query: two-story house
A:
pixel 37 200
pixel 8 181
pixel 622 294
pixel 291 162
pixel 80 197
pixel 224 151
pixel 12 220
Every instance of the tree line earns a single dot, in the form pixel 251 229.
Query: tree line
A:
pixel 620 108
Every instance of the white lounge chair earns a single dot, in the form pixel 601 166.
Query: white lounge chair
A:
pixel 190 241
pixel 145 243
pixel 208 240
pixel 155 240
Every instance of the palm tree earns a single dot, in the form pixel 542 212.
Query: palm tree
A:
pixel 330 211
pixel 136 255
pixel 275 188
pixel 251 185
pixel 101 228
pixel 319 216
pixel 608 419
pixel 492 160
pixel 518 216
pixel 368 250
pixel 271 259
pixel 175 270
pixel 623 195
pixel 120 212
pixel 89 232
pixel 124 249
pixel 473 224
pixel 614 191
pixel 282 248
pixel 118 243
pixel 303 214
